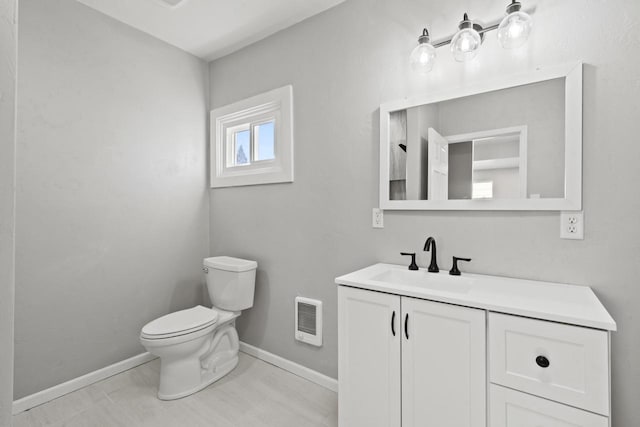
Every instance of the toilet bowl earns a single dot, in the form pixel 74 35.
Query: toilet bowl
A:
pixel 199 345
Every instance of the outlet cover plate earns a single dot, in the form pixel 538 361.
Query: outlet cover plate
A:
pixel 572 225
pixel 377 218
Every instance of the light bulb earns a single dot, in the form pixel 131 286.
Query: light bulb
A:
pixel 465 44
pixel 515 28
pixel 423 56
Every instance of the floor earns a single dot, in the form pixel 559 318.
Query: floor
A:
pixel 254 394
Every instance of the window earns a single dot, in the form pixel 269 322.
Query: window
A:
pixel 482 190
pixel 250 143
pixel 252 140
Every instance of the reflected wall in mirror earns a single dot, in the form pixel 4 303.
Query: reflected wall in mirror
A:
pixel 510 146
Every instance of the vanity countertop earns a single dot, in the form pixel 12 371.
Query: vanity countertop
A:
pixel 558 302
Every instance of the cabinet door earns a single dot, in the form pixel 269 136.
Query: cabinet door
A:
pixel 368 358
pixel 443 365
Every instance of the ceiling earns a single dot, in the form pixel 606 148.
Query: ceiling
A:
pixel 210 29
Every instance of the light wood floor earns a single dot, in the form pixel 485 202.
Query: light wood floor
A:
pixel 254 394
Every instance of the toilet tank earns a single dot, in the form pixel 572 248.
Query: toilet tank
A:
pixel 230 282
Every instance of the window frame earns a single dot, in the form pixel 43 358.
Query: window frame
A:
pixel 276 106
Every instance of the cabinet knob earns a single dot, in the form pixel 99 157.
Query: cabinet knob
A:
pixel 542 361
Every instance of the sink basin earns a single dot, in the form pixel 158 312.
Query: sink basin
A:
pixel 437 281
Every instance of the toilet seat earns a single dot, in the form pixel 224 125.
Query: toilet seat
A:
pixel 179 323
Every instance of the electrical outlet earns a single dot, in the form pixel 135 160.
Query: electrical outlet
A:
pixel 572 225
pixel 378 218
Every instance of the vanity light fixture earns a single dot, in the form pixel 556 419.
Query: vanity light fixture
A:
pixel 513 31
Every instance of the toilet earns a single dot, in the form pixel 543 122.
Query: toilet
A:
pixel 199 345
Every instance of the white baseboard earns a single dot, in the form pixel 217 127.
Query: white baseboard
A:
pixel 54 392
pixel 288 365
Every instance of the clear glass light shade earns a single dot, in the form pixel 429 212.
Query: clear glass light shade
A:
pixel 465 44
pixel 423 57
pixel 514 29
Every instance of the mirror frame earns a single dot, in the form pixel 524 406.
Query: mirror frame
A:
pixel 572 153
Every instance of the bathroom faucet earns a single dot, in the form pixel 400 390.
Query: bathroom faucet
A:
pixel 431 242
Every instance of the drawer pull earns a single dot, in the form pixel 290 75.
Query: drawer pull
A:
pixel 542 361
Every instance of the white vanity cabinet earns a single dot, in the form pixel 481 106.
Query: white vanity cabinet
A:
pixel 409 362
pixel 422 349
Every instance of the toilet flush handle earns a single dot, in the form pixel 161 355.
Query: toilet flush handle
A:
pixel 205 269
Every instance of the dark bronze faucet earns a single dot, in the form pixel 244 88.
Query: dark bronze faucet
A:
pixel 431 242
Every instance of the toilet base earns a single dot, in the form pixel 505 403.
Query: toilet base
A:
pixel 208 378
pixel 198 363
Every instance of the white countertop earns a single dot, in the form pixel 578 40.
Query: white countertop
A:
pixel 558 302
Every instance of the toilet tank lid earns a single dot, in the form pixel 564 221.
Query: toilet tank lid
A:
pixel 228 263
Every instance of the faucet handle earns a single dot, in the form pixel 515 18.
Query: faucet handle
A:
pixel 413 265
pixel 454 270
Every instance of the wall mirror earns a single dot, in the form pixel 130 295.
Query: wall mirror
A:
pixel 509 144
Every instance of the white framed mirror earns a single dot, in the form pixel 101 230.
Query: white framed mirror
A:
pixel 508 144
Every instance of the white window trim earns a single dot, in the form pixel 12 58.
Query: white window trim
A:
pixel 276 104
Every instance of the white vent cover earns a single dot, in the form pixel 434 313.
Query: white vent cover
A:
pixel 309 321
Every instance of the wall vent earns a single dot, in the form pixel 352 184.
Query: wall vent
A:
pixel 309 321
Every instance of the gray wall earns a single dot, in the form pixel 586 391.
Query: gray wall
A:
pixel 8 52
pixel 347 61
pixel 112 213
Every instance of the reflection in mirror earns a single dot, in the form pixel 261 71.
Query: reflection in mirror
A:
pixel 502 144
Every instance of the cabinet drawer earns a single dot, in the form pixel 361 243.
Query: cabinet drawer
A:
pixel 510 408
pixel 568 364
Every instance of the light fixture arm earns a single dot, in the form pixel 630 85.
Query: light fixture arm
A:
pixel 481 30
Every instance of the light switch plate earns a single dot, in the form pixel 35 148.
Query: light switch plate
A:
pixel 378 218
pixel 572 225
